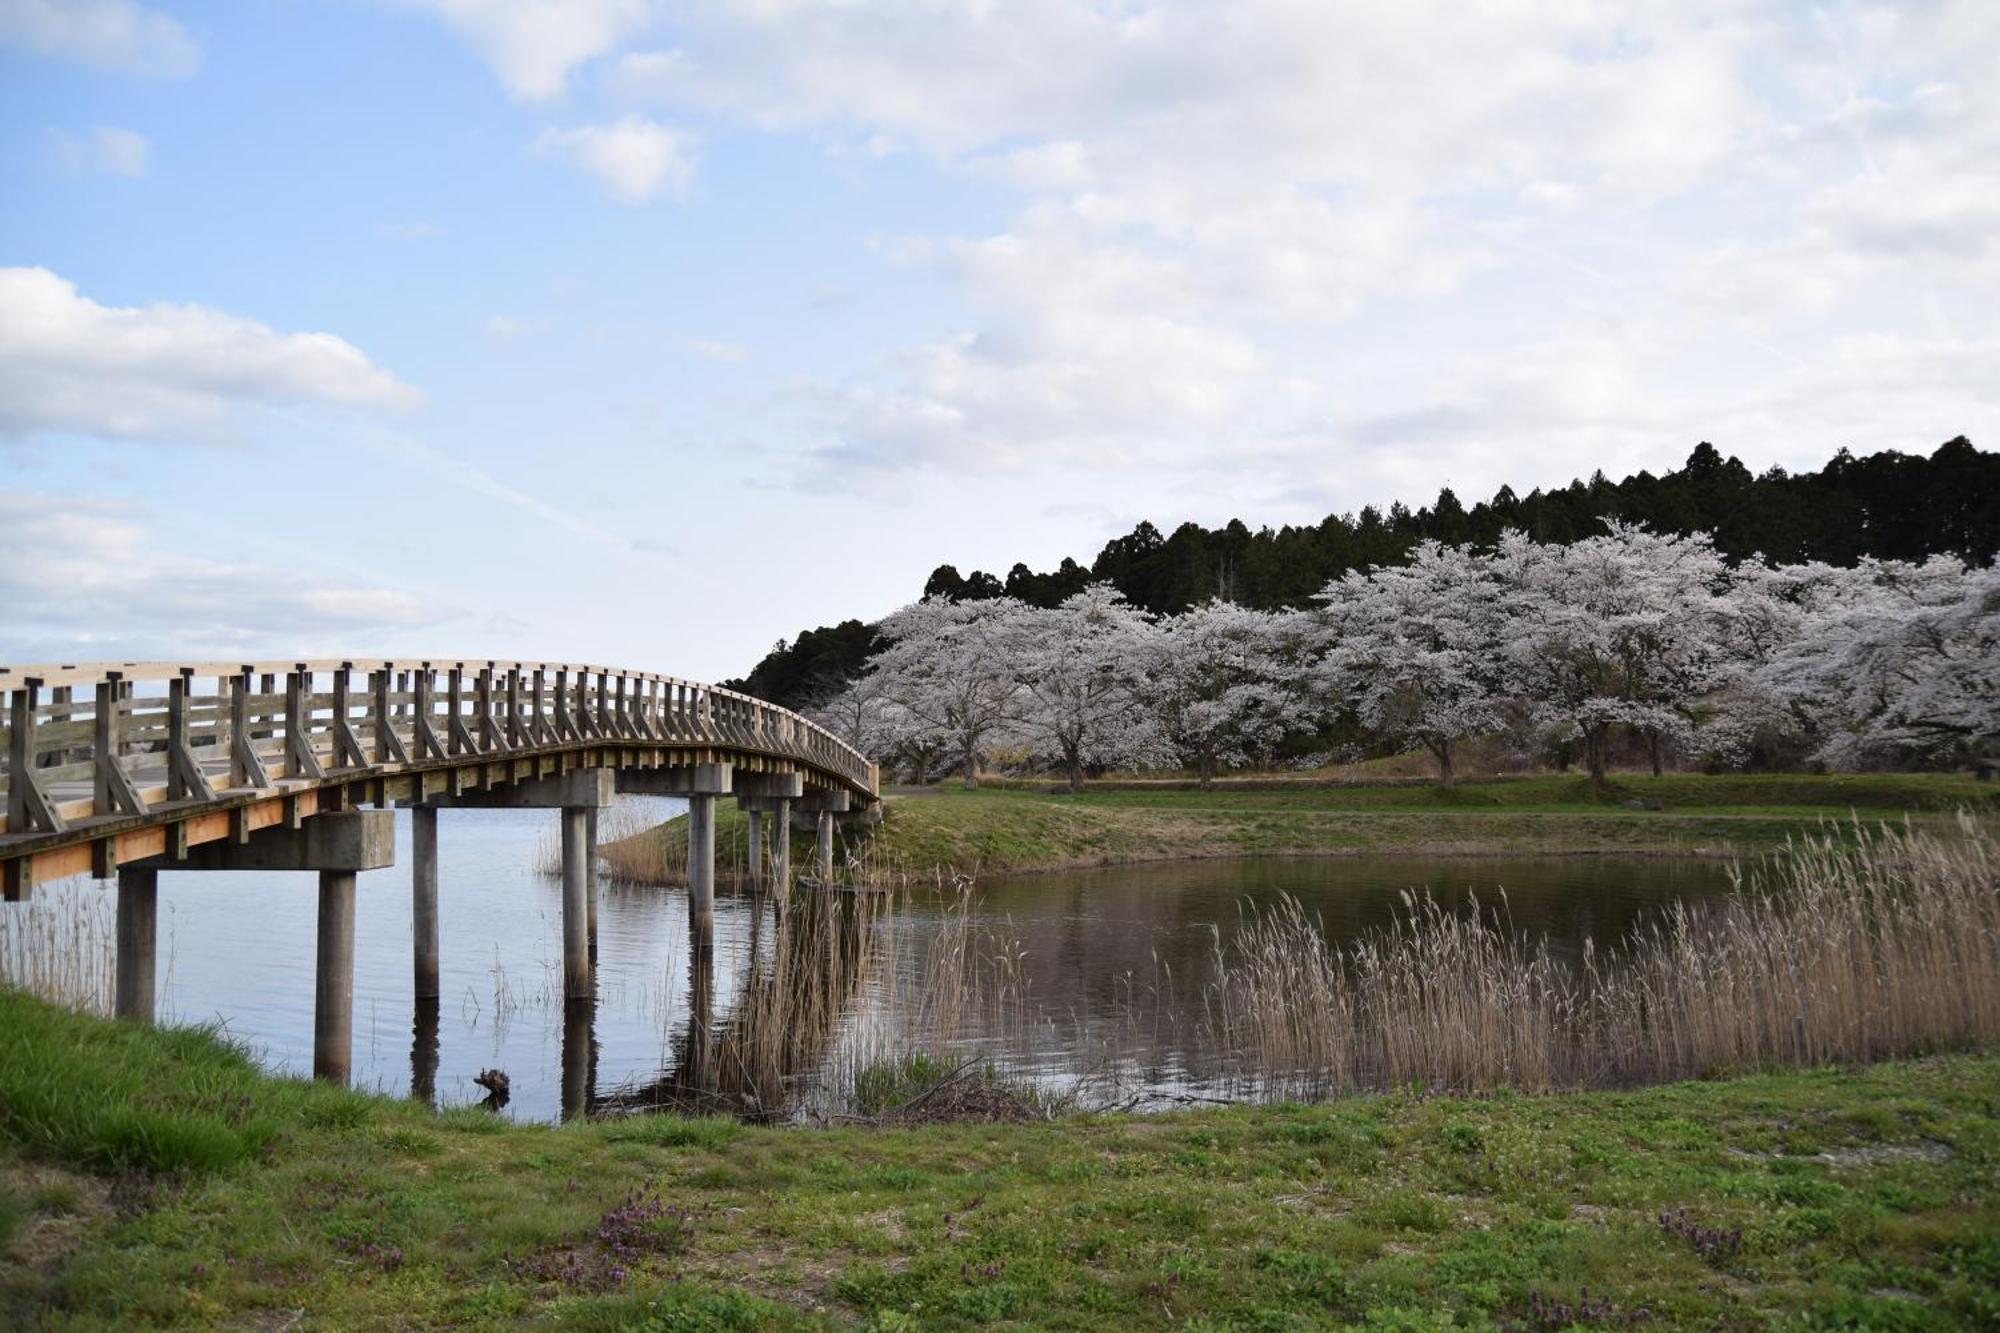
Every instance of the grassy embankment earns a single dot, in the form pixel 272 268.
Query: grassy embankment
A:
pixel 1017 828
pixel 154 1177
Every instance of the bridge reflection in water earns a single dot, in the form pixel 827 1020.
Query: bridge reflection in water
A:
pixel 797 987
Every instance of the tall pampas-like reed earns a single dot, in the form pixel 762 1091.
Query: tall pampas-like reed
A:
pixel 1851 948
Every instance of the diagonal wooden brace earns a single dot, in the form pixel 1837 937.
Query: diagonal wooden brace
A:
pixel 347 751
pixel 389 748
pixel 185 779
pixel 428 744
pixel 246 766
pixel 113 792
pixel 29 809
pixel 300 761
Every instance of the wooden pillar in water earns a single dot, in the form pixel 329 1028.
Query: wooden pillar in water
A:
pixel 826 846
pixel 333 995
pixel 424 897
pixel 754 847
pixel 701 865
pixel 577 854
pixel 138 942
pixel 781 849
pixel 579 1057
pixel 424 1053
pixel 590 878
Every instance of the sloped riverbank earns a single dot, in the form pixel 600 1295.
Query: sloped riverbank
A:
pixel 155 1178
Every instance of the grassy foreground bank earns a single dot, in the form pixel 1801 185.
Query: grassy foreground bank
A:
pixel 154 1177
pixel 1016 828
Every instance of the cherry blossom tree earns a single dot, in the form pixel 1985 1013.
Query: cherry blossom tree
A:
pixel 1225 683
pixel 1416 651
pixel 1630 627
pixel 863 714
pixel 1897 657
pixel 950 667
pixel 1081 667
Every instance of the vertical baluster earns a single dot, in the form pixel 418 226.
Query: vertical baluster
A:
pixel 29 809
pixel 456 737
pixel 185 779
pixel 300 759
pixel 347 751
pixel 424 736
pixel 112 791
pixel 517 735
pixel 489 728
pixel 246 766
pixel 388 745
pixel 267 687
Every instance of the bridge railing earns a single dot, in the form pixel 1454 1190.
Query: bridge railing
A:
pixel 98 740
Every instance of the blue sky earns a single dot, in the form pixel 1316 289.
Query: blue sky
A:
pixel 642 332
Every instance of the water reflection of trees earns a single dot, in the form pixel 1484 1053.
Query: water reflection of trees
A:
pixel 807 967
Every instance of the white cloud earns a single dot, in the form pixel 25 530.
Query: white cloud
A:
pixel 633 159
pixel 103 151
pixel 713 349
pixel 409 231
pixel 534 45
pixel 68 364
pixel 1218 201
pixel 111 34
pixel 505 326
pixel 71 567
pixel 1239 223
pixel 1628 394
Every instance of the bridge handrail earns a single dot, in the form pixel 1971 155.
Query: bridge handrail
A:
pixel 139 734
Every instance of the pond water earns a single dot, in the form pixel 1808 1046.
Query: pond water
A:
pixel 1080 973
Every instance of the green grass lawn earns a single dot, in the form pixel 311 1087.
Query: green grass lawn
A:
pixel 155 1178
pixel 1022 827
pixel 1685 793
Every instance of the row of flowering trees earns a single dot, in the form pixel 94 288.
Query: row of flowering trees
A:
pixel 1653 636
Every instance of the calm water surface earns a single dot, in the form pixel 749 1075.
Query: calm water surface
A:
pixel 1085 948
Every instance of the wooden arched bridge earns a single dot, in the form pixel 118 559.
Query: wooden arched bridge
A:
pixel 127 769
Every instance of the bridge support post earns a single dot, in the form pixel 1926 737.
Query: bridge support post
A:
pixel 781 849
pixel 577 794
pixel 701 864
pixel 825 805
pixel 590 879
pixel 333 995
pixel 754 848
pixel 766 799
pixel 701 784
pixel 424 1053
pixel 579 1057
pixel 337 844
pixel 578 851
pixel 138 942
pixel 424 897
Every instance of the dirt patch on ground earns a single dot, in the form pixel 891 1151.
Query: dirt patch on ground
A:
pixel 57 1209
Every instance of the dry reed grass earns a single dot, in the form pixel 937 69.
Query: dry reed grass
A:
pixel 1856 946
pixel 62 946
pixel 1849 949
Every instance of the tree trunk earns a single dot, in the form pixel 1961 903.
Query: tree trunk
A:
pixel 1206 771
pixel 1075 774
pixel 971 764
pixel 1593 753
pixel 1441 751
pixel 1656 744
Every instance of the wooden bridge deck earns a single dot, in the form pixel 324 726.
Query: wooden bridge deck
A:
pixel 113 762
